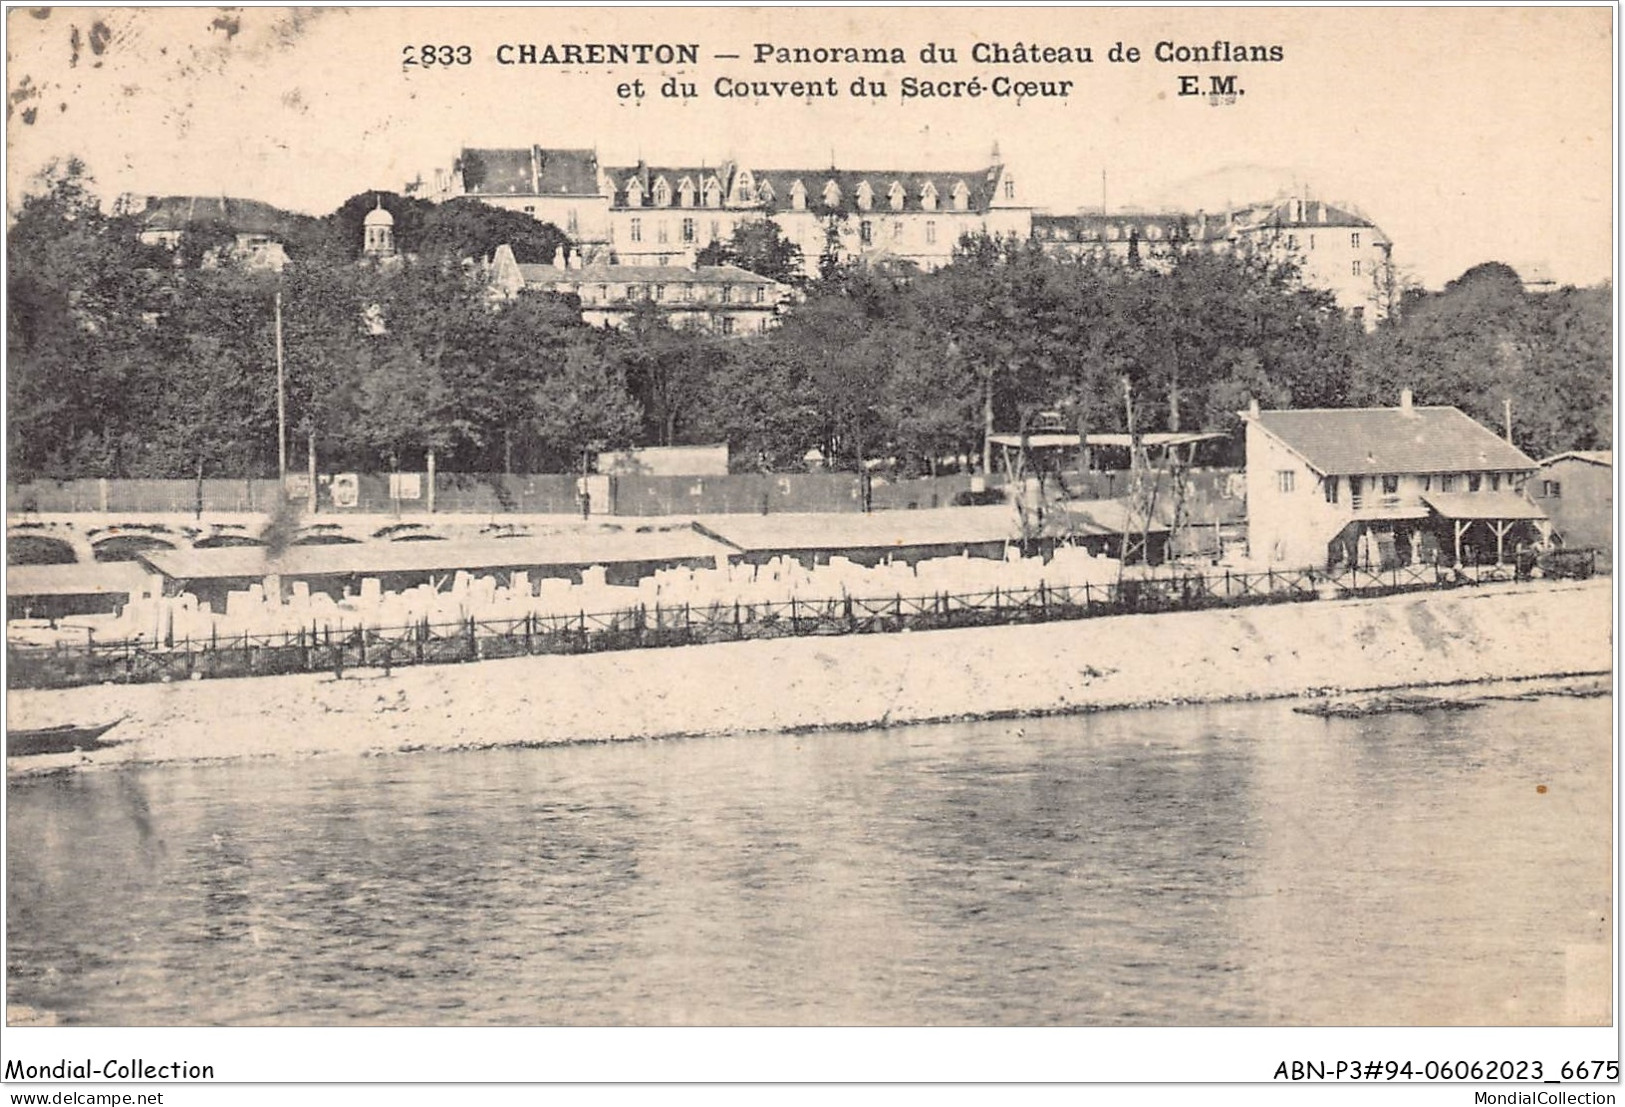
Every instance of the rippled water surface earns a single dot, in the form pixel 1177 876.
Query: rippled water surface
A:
pixel 1231 864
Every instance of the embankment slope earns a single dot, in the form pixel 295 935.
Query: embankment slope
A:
pixel 1490 633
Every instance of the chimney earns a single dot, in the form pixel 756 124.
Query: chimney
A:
pixel 1252 407
pixel 1405 401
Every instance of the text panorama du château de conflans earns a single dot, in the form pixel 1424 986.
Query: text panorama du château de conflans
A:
pixel 996 53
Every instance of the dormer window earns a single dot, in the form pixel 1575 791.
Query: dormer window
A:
pixel 961 196
pixel 764 192
pixel 928 197
pixel 798 196
pixel 685 193
pixel 712 193
pixel 662 193
pixel 1009 188
pixel 832 194
pixel 634 193
pixel 895 196
pixel 866 196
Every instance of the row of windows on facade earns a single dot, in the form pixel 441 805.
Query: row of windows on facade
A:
pixel 896 195
pixel 721 324
pixel 679 293
pixel 866 231
pixel 1292 241
pixel 1286 480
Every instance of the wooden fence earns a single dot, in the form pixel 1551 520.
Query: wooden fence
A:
pixel 326 649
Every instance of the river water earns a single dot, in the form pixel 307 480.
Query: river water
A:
pixel 1234 864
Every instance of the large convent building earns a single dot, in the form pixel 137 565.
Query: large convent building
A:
pixel 647 215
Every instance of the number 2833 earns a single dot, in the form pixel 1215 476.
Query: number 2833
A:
pixel 429 54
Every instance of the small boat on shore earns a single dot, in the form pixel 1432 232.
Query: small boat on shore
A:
pixel 58 739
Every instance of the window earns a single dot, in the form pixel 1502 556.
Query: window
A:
pixel 716 229
pixel 1311 242
pixel 530 209
pixel 726 323
pixel 572 222
pixel 928 197
pixel 798 196
pixel 688 230
pixel 897 230
pixel 931 232
pixel 866 196
pixel 960 196
pixel 1447 482
pixel 1390 486
pixel 866 233
pixel 761 295
pixel 637 230
pixel 895 196
pixel 661 231
pixel 1291 242
pixel 727 293
pixel 1475 481
pixel 1286 480
pixel 660 291
pixel 664 259
pixel 1330 485
pixel 1551 489
pixel 1356 269
pixel 1354 240
pixel 603 293
pixel 662 193
pixel 1009 188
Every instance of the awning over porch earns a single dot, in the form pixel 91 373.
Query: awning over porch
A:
pixel 1482 505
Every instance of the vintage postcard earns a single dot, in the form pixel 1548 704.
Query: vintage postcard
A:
pixel 559 520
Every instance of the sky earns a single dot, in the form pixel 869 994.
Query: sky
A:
pixel 1467 135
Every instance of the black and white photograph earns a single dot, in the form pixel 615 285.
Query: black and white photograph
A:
pixel 1064 544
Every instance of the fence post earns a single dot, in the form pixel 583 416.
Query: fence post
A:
pixel 1043 602
pixel 739 628
pixel 851 622
pixel 794 629
pixel 1088 599
pixel 530 622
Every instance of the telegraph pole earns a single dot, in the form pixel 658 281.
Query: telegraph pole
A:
pixel 281 405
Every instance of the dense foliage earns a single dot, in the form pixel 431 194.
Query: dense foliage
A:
pixel 136 361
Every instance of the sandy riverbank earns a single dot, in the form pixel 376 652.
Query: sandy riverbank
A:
pixel 1503 632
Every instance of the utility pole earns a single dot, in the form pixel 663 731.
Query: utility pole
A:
pixel 1508 407
pixel 281 405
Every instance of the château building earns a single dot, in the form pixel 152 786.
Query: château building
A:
pixel 663 215
pixel 713 299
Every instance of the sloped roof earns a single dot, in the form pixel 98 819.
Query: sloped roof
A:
pixel 1595 457
pixel 1152 227
pixel 1375 440
pixel 1482 505
pixel 1311 214
pixel 374 558
pixel 176 213
pixel 83 579
pixel 641 274
pixel 979 185
pixel 528 171
pixel 647 175
pixel 951 526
